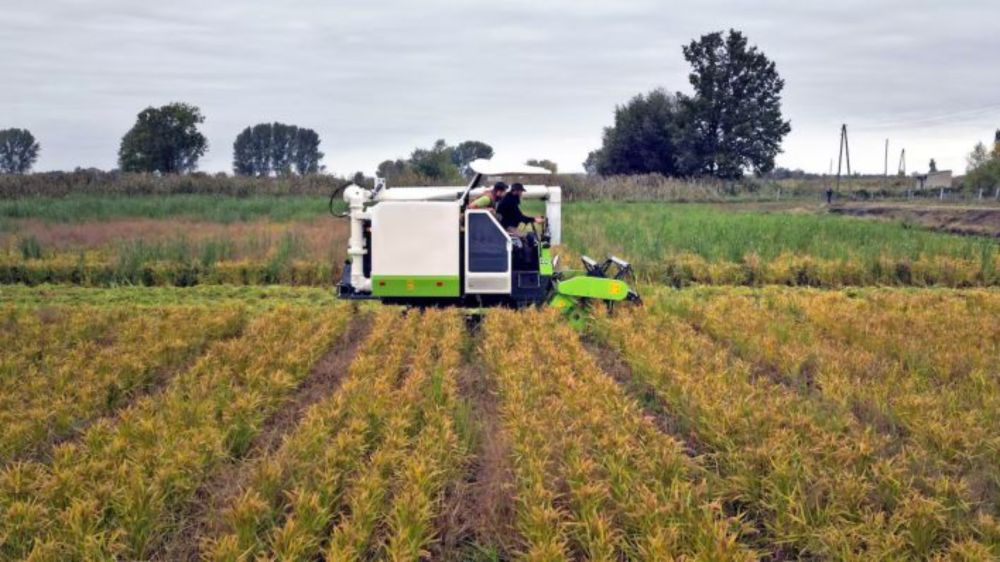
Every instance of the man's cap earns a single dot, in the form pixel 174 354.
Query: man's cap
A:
pixel 500 185
pixel 516 187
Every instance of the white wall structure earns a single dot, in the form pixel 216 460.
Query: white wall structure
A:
pixel 935 180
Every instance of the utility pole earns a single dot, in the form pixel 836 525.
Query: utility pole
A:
pixel 902 171
pixel 845 150
pixel 885 183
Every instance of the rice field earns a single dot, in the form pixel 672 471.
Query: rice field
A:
pixel 714 423
pixel 186 240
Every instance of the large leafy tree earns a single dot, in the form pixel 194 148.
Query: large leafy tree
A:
pixel 164 139
pixel 463 154
pixel 307 155
pixel 275 147
pixel 441 162
pixel 733 122
pixel 391 168
pixel 641 141
pixel 977 157
pixel 283 139
pixel 243 154
pixel 18 151
pixel 436 162
pixel 983 171
pixel 545 163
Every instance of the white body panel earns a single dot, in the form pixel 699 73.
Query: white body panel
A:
pixel 417 239
pixel 420 194
pixel 445 193
pixel 493 283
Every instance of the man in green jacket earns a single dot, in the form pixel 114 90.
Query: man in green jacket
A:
pixel 489 199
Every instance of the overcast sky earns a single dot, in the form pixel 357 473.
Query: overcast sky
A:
pixel 534 78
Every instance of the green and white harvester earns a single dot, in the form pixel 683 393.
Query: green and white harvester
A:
pixel 424 246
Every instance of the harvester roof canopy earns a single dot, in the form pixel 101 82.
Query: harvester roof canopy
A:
pixel 491 168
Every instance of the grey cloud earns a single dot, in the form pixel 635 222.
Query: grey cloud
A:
pixel 532 77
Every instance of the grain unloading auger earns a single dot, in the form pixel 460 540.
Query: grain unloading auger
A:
pixel 424 246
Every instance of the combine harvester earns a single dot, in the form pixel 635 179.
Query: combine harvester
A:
pixel 423 246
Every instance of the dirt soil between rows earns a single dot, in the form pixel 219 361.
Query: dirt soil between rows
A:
pixel 478 511
pixel 227 483
pixel 976 221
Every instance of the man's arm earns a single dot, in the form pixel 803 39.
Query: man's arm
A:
pixel 482 202
pixel 523 218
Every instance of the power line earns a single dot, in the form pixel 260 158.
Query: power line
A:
pixel 951 117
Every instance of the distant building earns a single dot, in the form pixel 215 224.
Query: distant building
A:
pixel 934 180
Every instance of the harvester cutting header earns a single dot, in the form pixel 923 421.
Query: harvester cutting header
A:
pixel 427 246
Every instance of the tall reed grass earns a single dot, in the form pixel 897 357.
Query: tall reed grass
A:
pixel 97 182
pixel 79 208
pixel 679 244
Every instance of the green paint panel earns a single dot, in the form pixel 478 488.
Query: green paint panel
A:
pixel 594 288
pixel 545 262
pixel 414 286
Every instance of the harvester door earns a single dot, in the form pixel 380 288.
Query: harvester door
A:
pixel 487 255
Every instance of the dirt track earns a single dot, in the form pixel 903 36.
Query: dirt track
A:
pixel 980 221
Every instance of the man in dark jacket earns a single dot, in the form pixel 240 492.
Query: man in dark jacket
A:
pixel 510 213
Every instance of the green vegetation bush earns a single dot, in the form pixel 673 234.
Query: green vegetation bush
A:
pixel 97 182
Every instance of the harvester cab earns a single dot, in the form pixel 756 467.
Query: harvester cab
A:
pixel 424 246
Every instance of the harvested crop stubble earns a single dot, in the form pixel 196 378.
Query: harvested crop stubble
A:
pixel 61 387
pixel 361 477
pixel 940 423
pixel 594 478
pixel 115 492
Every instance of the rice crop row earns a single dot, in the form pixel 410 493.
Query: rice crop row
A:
pixel 813 480
pixel 46 298
pixel 942 403
pixel 115 492
pixel 677 270
pixel 594 478
pixel 361 477
pixel 934 413
pixel 48 392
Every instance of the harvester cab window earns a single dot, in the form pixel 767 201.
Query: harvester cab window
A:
pixel 487 245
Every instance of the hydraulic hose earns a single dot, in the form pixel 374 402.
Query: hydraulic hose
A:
pixel 333 197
